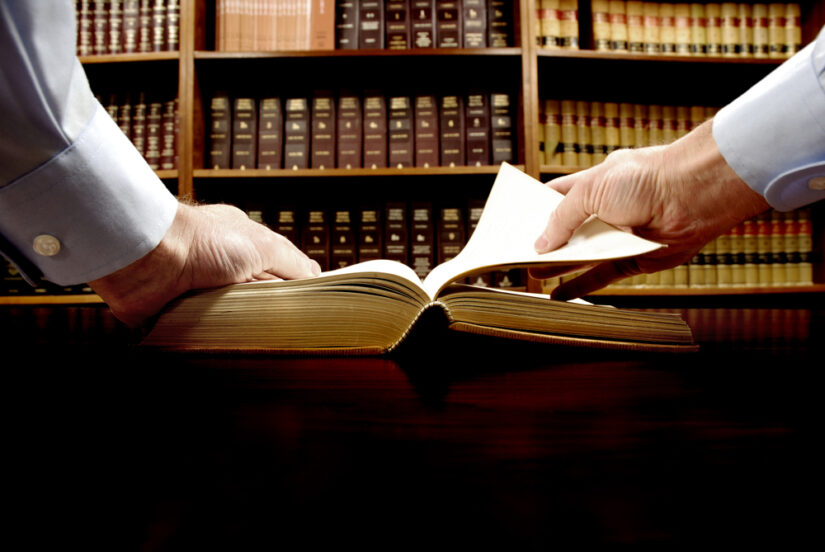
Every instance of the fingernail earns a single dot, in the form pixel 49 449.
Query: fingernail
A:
pixel 314 267
pixel 541 244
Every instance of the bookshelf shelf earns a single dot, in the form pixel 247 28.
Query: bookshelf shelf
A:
pixel 348 173
pixel 703 292
pixel 130 58
pixel 33 300
pixel 420 52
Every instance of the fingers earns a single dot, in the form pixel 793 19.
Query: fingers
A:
pixel 284 260
pixel 566 218
pixel 596 278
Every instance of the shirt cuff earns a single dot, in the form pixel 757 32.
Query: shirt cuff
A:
pixel 773 135
pixel 92 209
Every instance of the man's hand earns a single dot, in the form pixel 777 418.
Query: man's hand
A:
pixel 206 246
pixel 682 195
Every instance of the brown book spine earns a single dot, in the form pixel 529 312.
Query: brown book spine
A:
pixel 346 25
pixel 477 128
pixel 474 23
pixel 100 24
pixel 500 23
pixel 296 133
pixel 397 13
pixel 451 129
pixel 244 133
pixel 448 24
pixel 370 242
pixel 400 132
pixel 342 240
pixel 220 136
pixel 270 133
pixel 422 23
pixel 371 24
pixel 85 27
pixel 451 233
pixel 154 123
pixel 145 26
pixel 138 127
pixel 131 20
pixel 396 233
pixel 286 224
pixel 350 131
pixel 124 115
pixel 422 238
pixel 172 38
pixel 169 134
pixel 315 233
pixel 323 131
pixel 159 29
pixel 375 130
pixel 322 25
pixel 426 131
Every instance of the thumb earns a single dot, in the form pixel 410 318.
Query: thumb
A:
pixel 568 215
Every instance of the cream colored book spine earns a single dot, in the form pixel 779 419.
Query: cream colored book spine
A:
pixel 569 24
pixel 761 31
pixel 698 30
pixel 805 246
pixel 730 29
pixel 601 25
pixel 612 133
pixel 597 132
pixel 641 126
pixel 713 17
pixel 793 28
pixel 569 134
pixel 776 31
pixel 651 28
pixel 618 25
pixel 549 24
pixel 654 125
pixel 552 133
pixel 667 29
pixel 745 30
pixel 584 142
pixel 683 28
pixel 750 252
pixel 635 26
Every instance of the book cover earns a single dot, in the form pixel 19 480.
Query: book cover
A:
pixel 398 28
pixel 244 132
pixel 315 236
pixel 426 130
pixel 422 238
pixel 375 130
pixel 400 131
pixel 474 24
pixel 346 25
pixel 500 23
pixel 448 24
pixel 371 23
pixel 502 131
pixel 322 140
pixel 396 232
pixel 477 129
pixel 422 23
pixel 220 131
pixel 451 233
pixel 451 129
pixel 370 234
pixel 270 133
pixel 296 133
pixel 349 131
pixel 343 246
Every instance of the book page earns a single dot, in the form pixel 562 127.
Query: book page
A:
pixel 514 216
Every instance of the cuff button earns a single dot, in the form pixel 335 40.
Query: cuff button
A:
pixel 46 245
pixel 817 183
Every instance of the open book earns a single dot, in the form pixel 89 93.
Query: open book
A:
pixel 370 307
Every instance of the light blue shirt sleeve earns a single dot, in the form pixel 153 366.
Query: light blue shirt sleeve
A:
pixel 773 135
pixel 77 200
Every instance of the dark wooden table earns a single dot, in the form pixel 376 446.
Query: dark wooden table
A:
pixel 474 445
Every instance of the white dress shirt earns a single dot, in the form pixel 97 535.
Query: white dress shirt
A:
pixel 77 200
pixel 773 135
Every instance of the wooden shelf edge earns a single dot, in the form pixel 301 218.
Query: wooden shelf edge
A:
pixel 707 292
pixel 334 173
pixel 126 58
pixel 45 300
pixel 410 52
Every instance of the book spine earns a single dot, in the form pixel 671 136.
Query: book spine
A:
pixel 698 30
pixel 597 132
pixel 451 233
pixel 474 23
pixel 500 23
pixel 549 24
pixel 131 21
pixel 400 132
pixel 322 25
pixel 85 27
pixel 617 12
pixel 286 223
pixel 371 23
pixel 114 37
pixel 584 139
pixel 746 48
pixel 501 129
pixel 270 133
pixel 370 236
pixel 346 25
pixel 422 23
pixel 451 129
pixel 169 134
pixel 159 27
pixel 569 134
pixel 667 29
pixel 651 28
pixel 397 25
pixel 713 18
pixel 569 24
pixel 601 25
pixel 145 26
pixel 426 131
pixel 350 132
pixel 154 122
pixel 138 126
pixel 448 22
pixel 342 243
pixel 296 133
pixel 100 26
pixel 396 232
pixel 322 141
pixel 635 26
pixel 477 129
pixel 375 130
pixel 172 39
pixel 220 137
pixel 422 238
pixel 244 132
pixel 315 235
pixel 552 132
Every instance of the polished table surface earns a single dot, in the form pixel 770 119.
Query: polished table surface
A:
pixel 475 445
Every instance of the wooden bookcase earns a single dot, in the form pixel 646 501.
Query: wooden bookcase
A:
pixel 526 71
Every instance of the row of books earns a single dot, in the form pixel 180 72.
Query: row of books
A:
pixel 151 123
pixel 419 234
pixel 582 133
pixel 557 24
pixel 771 250
pixel 271 25
pixel 726 29
pixel 348 130
pixel 107 27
